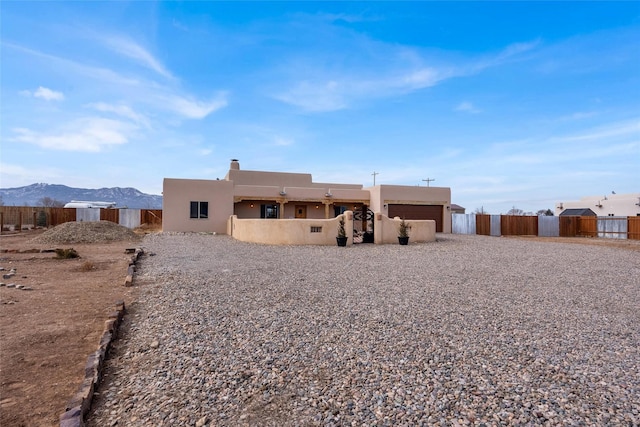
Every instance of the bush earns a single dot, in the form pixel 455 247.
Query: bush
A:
pixel 67 253
pixel 87 266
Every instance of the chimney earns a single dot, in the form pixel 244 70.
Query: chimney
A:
pixel 235 165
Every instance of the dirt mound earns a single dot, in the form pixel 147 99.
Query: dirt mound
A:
pixel 86 232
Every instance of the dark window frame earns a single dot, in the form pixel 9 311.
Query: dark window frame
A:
pixel 270 211
pixel 198 210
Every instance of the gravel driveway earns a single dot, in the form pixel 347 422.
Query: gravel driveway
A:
pixel 466 330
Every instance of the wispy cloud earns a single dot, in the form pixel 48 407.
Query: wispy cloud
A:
pixel 398 70
pixel 46 94
pixel 136 52
pixel 315 96
pixel 179 25
pixel 626 128
pixel 161 97
pixel 281 141
pixel 467 107
pixel 71 67
pixel 192 108
pixel 88 134
pixel 121 110
pixel 22 175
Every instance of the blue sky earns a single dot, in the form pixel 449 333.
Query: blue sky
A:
pixel 507 103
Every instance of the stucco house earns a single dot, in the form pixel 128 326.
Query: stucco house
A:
pixel 196 205
pixel 607 205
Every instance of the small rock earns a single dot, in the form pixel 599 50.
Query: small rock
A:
pixel 11 285
pixel 154 344
pixel 201 422
pixel 27 288
pixel 8 276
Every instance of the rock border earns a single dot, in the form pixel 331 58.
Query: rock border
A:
pixel 79 405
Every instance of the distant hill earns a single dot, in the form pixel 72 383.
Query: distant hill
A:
pixel 31 195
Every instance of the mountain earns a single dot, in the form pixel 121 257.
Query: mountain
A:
pixel 31 195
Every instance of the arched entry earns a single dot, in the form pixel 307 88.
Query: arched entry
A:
pixel 363 225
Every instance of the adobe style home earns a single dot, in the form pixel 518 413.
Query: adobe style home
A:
pixel 607 205
pixel 195 205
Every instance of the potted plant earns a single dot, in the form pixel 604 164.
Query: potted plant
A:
pixel 403 232
pixel 342 234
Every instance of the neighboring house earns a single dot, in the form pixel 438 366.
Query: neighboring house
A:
pixel 578 212
pixel 607 205
pixel 457 209
pixel 206 205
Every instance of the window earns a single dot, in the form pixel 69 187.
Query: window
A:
pixel 316 229
pixel 339 210
pixel 199 210
pixel 269 211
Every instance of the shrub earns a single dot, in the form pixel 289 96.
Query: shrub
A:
pixel 87 266
pixel 66 253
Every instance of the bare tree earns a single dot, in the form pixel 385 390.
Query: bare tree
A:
pixel 48 202
pixel 515 211
pixel 545 212
pixel 481 211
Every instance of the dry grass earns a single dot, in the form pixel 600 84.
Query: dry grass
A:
pixel 87 266
pixel 148 229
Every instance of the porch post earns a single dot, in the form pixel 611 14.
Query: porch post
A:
pixel 326 210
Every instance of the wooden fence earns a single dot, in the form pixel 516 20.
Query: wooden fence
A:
pixel 17 218
pixel 512 225
pixel 633 228
pixel 483 225
pixel 564 226
pixel 591 226
pixel 151 217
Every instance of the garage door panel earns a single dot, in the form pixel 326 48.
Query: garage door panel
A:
pixel 433 212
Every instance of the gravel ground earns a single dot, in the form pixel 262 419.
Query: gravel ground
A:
pixel 469 330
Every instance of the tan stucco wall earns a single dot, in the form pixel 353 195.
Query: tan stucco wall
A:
pixel 289 231
pixel 386 230
pixel 298 231
pixel 177 195
pixel 281 179
pixel 254 192
pixel 312 211
pixel 248 177
pixel 384 195
pixel 245 210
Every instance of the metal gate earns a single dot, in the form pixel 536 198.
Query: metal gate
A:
pixel 363 225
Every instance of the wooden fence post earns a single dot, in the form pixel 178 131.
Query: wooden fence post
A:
pixel 1 222
pixel 20 222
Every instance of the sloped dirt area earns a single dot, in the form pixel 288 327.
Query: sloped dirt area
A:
pixel 47 331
